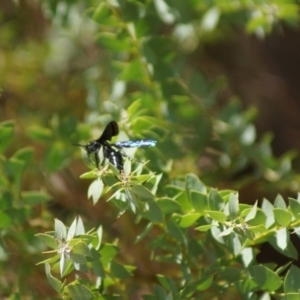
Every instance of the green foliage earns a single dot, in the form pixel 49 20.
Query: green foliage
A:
pixel 230 230
pixel 200 241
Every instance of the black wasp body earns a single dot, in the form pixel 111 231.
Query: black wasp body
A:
pixel 112 152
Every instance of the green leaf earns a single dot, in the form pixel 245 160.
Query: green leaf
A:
pixel 217 215
pixel 81 248
pixel 259 22
pixel 141 123
pixel 252 213
pixel 131 10
pixel 291 296
pixel 130 196
pixel 95 190
pixel 13 168
pixel 72 230
pixel 168 205
pixel 248 136
pixel 6 197
pixel 235 243
pixel 133 71
pixel 114 42
pixel 51 260
pixel 199 201
pixel 6 134
pixel 77 258
pixel 54 282
pixel 163 71
pixel 25 155
pixel 215 201
pixel 288 12
pixel 249 234
pixel 160 293
pixel 108 252
pixel 39 134
pixel 281 242
pixel 282 238
pixel 282 216
pixel 247 255
pixel 295 208
pixel 167 283
pixel 79 292
pixel 118 271
pixel 230 274
pixel 57 157
pixel 204 283
pixel 49 240
pixel 210 19
pixel 141 191
pixel 283 268
pixel 127 167
pixel 152 212
pixel 157 49
pixel 267 208
pixel 19 215
pixel 233 206
pixel 260 229
pixel 189 220
pixel 226 231
pixel 89 175
pixel 60 229
pixel 134 108
pixel 5 220
pixel 67 266
pixel 103 15
pixel 34 197
pixel 199 285
pixel 204 227
pixel 175 231
pixel 99 237
pixel 102 12
pixel 279 202
pixel 79 227
pixel 223 194
pixel 64 265
pixel 192 182
pixel 184 202
pixel 246 286
pixel 215 232
pixel 96 263
pixel 291 280
pixel 265 278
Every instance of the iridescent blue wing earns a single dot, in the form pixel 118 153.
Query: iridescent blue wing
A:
pixel 135 144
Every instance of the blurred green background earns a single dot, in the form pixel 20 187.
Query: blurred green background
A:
pixel 217 84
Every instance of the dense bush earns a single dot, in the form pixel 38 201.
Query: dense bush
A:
pixel 171 225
